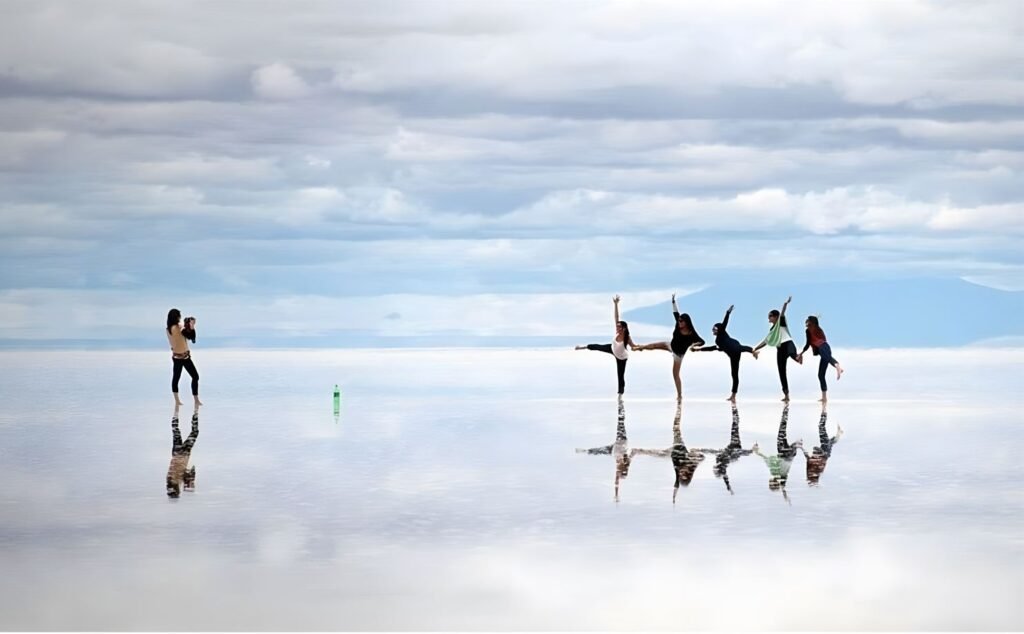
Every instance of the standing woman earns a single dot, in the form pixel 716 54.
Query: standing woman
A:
pixel 779 337
pixel 617 348
pixel 684 337
pixel 731 347
pixel 181 357
pixel 819 346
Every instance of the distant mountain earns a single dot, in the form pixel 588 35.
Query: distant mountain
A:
pixel 909 313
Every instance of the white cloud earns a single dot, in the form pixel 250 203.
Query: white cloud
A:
pixel 279 81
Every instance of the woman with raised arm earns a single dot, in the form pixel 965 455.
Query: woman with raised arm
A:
pixel 617 348
pixel 181 356
pixel 778 337
pixel 819 346
pixel 684 337
pixel 730 347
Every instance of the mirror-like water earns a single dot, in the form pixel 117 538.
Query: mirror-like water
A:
pixel 491 489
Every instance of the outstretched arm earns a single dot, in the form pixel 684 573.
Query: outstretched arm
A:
pixel 706 348
pixel 725 320
pixel 782 313
pixel 615 301
pixel 675 309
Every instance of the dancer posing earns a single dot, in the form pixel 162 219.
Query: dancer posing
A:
pixel 780 464
pixel 732 348
pixel 684 461
pixel 618 450
pixel 617 348
pixel 819 346
pixel 818 459
pixel 684 337
pixel 779 337
pixel 181 356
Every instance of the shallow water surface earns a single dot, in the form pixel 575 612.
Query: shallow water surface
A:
pixel 500 489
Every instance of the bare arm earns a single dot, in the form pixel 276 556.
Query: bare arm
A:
pixel 782 313
pixel 675 309
pixel 615 301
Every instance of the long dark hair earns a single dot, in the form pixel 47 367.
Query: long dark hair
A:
pixel 626 339
pixel 814 321
pixel 685 318
pixel 173 317
pixel 780 316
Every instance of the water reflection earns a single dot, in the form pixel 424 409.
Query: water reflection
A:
pixel 179 474
pixel 780 464
pixel 819 456
pixel 684 461
pixel 731 452
pixel 618 449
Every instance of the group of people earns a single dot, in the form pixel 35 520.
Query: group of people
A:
pixel 685 338
pixel 686 460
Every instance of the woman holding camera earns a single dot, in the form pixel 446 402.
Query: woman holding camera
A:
pixel 179 337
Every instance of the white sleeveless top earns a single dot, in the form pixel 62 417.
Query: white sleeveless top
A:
pixel 619 350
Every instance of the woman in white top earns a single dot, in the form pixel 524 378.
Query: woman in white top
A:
pixel 181 356
pixel 778 337
pixel 617 348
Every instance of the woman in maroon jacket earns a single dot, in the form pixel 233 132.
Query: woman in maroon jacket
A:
pixel 819 345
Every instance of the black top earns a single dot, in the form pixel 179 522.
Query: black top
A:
pixel 680 342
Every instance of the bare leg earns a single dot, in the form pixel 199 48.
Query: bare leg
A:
pixel 676 364
pixel 657 345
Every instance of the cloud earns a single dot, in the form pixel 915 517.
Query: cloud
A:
pixel 279 81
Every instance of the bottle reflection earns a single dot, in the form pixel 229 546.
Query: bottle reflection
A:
pixel 731 452
pixel 780 464
pixel 819 456
pixel 618 450
pixel 684 461
pixel 178 472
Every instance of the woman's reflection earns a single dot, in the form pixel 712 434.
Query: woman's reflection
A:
pixel 819 456
pixel 619 449
pixel 731 452
pixel 684 461
pixel 780 464
pixel 178 472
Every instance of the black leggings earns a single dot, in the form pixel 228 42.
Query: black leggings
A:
pixel 734 363
pixel 621 363
pixel 192 372
pixel 825 352
pixel 784 353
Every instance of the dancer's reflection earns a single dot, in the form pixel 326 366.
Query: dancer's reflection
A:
pixel 684 461
pixel 731 452
pixel 178 472
pixel 780 464
pixel 819 456
pixel 618 450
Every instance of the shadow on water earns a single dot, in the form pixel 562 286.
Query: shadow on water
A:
pixel 179 474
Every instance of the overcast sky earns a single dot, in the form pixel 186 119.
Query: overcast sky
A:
pixel 492 167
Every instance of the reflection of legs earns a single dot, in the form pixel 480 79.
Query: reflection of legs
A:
pixel 782 444
pixel 191 440
pixel 823 439
pixel 621 367
pixel 734 435
pixel 175 436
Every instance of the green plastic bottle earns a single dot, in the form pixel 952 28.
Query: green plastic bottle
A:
pixel 337 400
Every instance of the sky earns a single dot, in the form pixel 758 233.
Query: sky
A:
pixel 490 169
